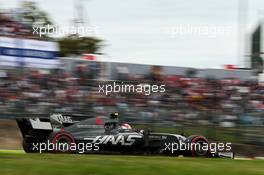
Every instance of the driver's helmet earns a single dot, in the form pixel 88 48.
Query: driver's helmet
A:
pixel 125 126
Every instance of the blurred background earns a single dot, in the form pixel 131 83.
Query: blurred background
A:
pixel 212 70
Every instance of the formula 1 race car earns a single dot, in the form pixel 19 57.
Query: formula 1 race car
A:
pixel 68 133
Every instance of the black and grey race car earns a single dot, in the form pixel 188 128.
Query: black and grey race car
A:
pixel 68 133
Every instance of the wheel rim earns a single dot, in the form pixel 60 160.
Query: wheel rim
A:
pixel 200 151
pixel 199 140
pixel 65 142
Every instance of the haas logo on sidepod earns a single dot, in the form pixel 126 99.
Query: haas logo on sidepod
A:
pixel 120 139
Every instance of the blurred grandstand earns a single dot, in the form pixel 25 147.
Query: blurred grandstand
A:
pixel 221 104
pixel 188 101
pixel 10 27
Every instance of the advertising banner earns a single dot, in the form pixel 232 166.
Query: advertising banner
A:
pixel 28 53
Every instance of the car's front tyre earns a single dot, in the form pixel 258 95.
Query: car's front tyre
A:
pixel 199 146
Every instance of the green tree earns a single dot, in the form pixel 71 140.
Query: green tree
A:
pixel 33 16
pixel 75 45
pixel 257 63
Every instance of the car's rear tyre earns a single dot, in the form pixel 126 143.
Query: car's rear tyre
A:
pixel 62 142
pixel 198 146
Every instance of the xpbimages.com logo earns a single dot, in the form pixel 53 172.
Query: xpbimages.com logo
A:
pixel 64 147
pixel 183 146
pixel 115 87
pixel 58 30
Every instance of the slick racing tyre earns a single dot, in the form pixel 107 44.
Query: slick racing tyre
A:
pixel 199 146
pixel 62 142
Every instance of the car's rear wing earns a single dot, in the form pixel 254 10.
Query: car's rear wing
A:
pixel 34 124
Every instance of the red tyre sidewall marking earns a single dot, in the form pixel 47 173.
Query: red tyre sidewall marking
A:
pixel 62 134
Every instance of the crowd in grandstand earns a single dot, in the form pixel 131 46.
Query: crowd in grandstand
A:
pixel 186 99
pixel 10 28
